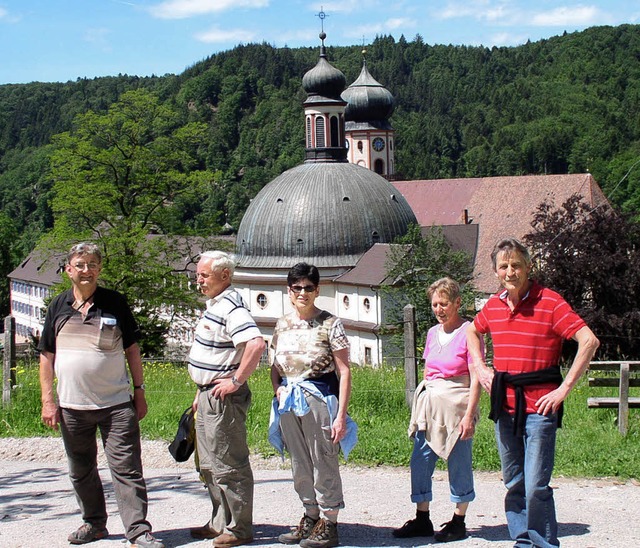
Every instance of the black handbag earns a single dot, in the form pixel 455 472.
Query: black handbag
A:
pixel 185 441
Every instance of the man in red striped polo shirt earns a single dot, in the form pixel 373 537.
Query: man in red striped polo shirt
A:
pixel 528 324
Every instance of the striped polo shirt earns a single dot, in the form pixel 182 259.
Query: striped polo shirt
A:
pixel 224 327
pixel 529 338
pixel 89 361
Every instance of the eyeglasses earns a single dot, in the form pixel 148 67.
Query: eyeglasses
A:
pixel 300 288
pixel 80 266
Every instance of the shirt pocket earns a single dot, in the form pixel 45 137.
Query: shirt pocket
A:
pixel 108 333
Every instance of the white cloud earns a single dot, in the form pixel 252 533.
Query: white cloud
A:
pixel 181 9
pixel 569 16
pixel 384 27
pixel 507 39
pixel 216 35
pixel 482 10
pixel 398 22
pixel 507 13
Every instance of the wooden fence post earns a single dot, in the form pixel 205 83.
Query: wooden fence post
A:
pixel 9 360
pixel 410 362
pixel 623 396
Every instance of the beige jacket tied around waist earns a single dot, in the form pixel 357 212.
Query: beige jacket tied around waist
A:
pixel 438 407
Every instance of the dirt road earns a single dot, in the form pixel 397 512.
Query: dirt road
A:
pixel 38 509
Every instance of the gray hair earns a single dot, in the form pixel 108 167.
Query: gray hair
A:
pixel 444 286
pixel 509 246
pixel 220 260
pixel 84 248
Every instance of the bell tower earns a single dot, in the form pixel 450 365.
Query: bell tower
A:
pixel 369 134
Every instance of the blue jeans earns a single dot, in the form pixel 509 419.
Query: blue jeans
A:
pixel 423 463
pixel 527 465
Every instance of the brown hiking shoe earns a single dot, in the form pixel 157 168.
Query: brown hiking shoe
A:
pixel 302 531
pixel 324 535
pixel 204 532
pixel 228 540
pixel 87 533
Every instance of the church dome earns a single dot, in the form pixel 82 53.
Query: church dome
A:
pixel 324 79
pixel 367 99
pixel 328 214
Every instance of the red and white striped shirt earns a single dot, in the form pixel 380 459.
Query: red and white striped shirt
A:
pixel 529 338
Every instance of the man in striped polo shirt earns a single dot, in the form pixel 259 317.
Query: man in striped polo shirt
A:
pixel 527 324
pixel 226 350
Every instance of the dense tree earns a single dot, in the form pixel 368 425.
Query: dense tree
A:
pixel 420 258
pixel 592 258
pixel 115 175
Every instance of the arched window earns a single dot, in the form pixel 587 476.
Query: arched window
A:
pixel 367 304
pixel 378 166
pixel 309 144
pixel 360 146
pixel 335 132
pixel 320 140
pixel 345 302
pixel 262 300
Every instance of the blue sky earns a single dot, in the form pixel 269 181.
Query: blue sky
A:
pixel 61 40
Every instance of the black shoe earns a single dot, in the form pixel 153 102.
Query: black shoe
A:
pixel 414 528
pixel 451 531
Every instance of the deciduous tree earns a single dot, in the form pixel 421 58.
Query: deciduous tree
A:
pixel 420 258
pixel 592 258
pixel 114 175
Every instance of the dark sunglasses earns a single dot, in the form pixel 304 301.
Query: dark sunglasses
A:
pixel 299 288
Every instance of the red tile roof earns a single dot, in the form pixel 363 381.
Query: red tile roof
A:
pixel 501 206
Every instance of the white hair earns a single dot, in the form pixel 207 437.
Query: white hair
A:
pixel 220 260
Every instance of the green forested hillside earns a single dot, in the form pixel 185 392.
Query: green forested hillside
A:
pixel 567 104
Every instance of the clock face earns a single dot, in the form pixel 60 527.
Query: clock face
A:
pixel 378 144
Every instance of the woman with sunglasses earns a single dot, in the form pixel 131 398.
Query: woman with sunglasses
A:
pixel 312 384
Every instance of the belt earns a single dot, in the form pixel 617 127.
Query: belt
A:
pixel 205 387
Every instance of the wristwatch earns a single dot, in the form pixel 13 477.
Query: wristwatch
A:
pixel 236 382
pixel 140 387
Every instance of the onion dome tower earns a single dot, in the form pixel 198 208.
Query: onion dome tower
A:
pixel 324 111
pixel 326 211
pixel 368 131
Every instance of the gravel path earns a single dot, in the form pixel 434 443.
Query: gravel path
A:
pixel 38 509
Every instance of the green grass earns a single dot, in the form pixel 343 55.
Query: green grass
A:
pixel 589 444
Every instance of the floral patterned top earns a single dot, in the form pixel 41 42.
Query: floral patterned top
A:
pixel 304 348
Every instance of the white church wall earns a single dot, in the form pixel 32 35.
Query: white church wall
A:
pixel 357 303
pixel 365 348
pixel 346 302
pixel 368 307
